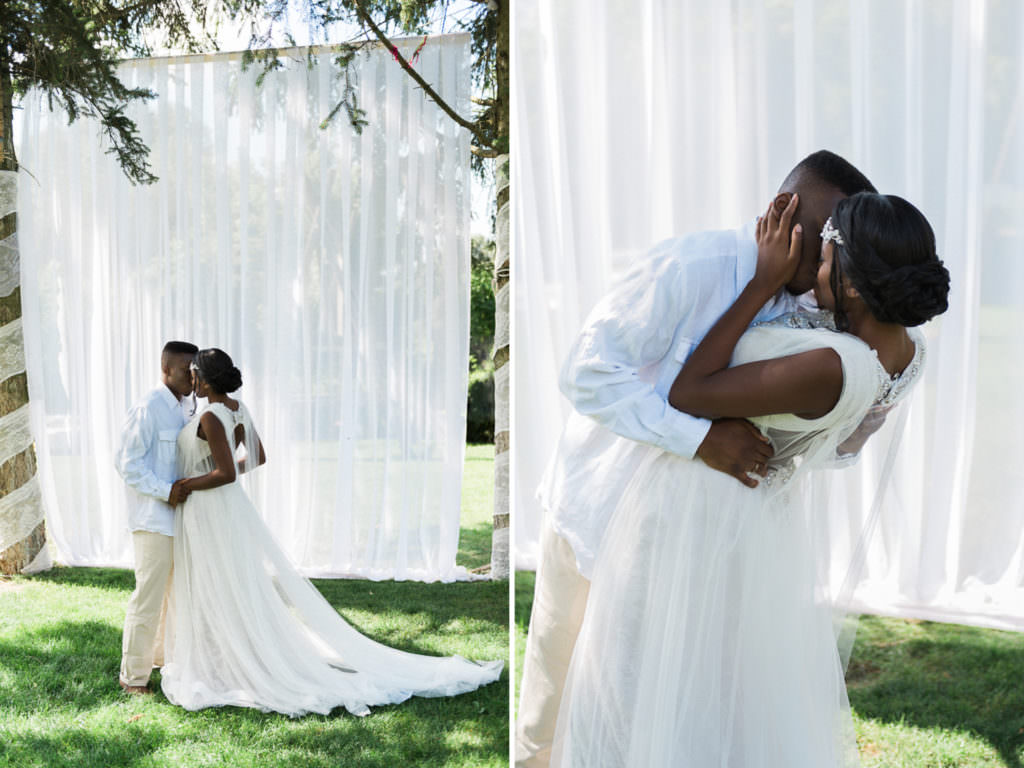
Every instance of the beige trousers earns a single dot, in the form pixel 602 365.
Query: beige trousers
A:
pixel 559 601
pixel 142 647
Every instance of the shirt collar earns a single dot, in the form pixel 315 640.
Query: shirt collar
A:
pixel 167 396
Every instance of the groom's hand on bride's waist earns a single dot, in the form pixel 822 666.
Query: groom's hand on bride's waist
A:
pixel 736 447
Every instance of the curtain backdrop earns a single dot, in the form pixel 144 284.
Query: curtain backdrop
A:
pixel 332 266
pixel 637 121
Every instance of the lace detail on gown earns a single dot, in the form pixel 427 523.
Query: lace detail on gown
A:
pixel 889 390
pixel 246 629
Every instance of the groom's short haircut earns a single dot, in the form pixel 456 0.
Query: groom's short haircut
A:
pixel 177 348
pixel 833 170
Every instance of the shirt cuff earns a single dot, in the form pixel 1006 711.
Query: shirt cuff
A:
pixel 165 489
pixel 682 433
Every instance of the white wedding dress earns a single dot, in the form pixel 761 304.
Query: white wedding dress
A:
pixel 245 629
pixel 708 641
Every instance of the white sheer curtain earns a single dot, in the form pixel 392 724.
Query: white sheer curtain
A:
pixel 636 121
pixel 332 266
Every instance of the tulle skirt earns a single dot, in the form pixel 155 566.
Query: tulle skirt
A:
pixel 705 644
pixel 245 629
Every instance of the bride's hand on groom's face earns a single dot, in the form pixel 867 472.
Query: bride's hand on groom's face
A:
pixel 779 245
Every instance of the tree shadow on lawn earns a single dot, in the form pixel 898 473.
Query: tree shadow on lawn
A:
pixel 454 613
pixel 428 732
pixel 63 672
pixel 444 609
pixel 445 606
pixel 941 676
pixel 407 738
pixel 117 579
pixel 65 664
pixel 81 748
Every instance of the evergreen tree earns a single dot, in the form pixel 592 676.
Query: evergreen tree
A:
pixel 69 50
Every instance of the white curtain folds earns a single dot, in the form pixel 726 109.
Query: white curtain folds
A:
pixel 637 121
pixel 332 266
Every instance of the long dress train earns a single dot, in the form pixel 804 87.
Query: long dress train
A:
pixel 708 641
pixel 248 630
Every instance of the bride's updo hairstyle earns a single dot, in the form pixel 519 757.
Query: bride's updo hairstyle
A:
pixel 214 366
pixel 887 252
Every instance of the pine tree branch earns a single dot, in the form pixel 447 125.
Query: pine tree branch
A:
pixel 459 119
pixel 8 159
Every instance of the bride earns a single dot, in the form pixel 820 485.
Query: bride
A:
pixel 245 629
pixel 708 638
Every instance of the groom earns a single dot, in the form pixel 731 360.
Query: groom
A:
pixel 146 462
pixel 617 377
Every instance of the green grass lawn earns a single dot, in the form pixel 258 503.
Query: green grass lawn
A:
pixel 924 695
pixel 60 640
pixel 477 506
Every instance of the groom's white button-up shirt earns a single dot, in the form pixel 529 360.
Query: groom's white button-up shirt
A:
pixel 620 368
pixel 146 460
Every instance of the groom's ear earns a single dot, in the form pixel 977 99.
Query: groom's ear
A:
pixel 781 201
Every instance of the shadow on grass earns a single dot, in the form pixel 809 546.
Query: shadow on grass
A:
pixel 72 664
pixel 408 736
pixel 443 605
pixel 942 676
pixel 443 609
pixel 60 704
pixel 78 748
pixel 411 734
pixel 119 579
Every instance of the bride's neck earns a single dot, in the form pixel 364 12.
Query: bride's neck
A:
pixel 890 341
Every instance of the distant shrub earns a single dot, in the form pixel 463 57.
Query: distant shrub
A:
pixel 480 405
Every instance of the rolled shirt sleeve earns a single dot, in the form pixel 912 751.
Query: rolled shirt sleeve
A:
pixel 141 435
pixel 607 374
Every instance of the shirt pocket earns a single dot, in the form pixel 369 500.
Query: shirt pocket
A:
pixel 683 349
pixel 168 443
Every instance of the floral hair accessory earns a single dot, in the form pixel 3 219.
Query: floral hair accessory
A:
pixel 828 232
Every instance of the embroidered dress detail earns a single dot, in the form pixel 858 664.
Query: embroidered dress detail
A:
pixel 892 389
pixel 806 319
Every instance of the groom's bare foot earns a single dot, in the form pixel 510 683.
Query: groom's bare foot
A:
pixel 134 690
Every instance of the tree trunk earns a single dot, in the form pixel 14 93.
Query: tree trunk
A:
pixel 22 530
pixel 500 543
pixel 500 538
